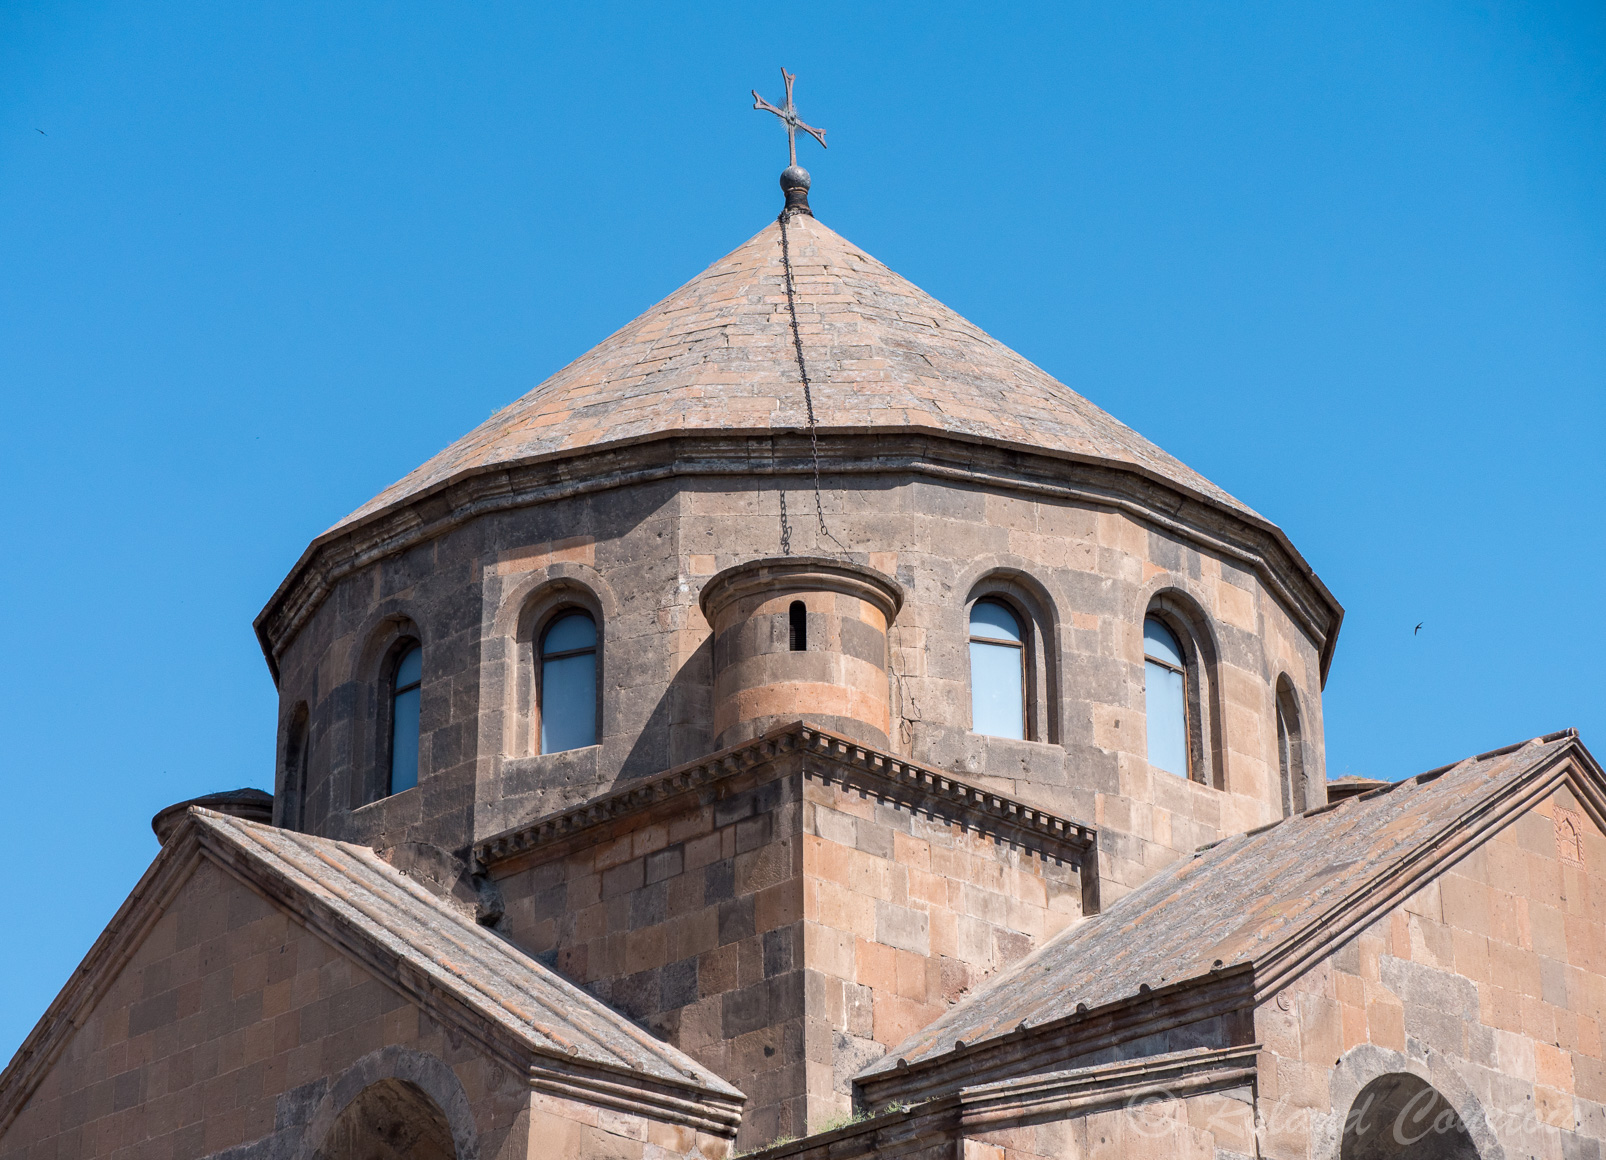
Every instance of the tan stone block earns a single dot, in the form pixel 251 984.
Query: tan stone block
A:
pixel 875 966
pixel 1385 1024
pixel 1370 948
pixel 778 906
pixel 1430 942
pixel 1320 1029
pixel 611 854
pixel 1547 927
pixel 1355 1030
pixel 1470 954
pixel 844 909
pixel 912 970
pixel 1538 1018
pixel 912 852
pixel 1554 1107
pixel 897 1018
pixel 718 970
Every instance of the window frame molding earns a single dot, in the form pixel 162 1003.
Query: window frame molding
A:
pixel 1034 607
pixel 384 733
pixel 538 611
pixel 387 642
pixel 1195 633
pixel 538 659
pixel 1289 720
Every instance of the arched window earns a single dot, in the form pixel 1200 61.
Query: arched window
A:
pixel 798 625
pixel 1165 696
pixel 569 683
pixel 404 692
pixel 997 670
pixel 1290 753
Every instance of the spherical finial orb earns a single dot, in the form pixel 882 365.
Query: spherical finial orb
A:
pixel 795 184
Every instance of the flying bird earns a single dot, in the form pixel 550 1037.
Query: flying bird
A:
pixel 41 132
pixel 1417 629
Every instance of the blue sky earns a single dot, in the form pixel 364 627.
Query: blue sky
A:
pixel 256 262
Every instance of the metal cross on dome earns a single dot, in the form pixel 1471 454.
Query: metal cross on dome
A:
pixel 788 115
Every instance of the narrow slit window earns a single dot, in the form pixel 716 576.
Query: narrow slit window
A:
pixel 404 694
pixel 997 671
pixel 1290 754
pixel 1165 695
pixel 798 618
pixel 569 683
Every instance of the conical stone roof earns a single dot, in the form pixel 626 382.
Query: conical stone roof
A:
pixel 717 356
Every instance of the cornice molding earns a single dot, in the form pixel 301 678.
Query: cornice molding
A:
pixel 1055 1043
pixel 1077 1092
pixel 1250 541
pixel 892 778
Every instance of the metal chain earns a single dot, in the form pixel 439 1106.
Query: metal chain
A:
pixel 786 528
pixel 808 394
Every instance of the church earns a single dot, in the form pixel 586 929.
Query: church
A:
pixel 802 727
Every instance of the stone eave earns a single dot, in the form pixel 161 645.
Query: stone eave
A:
pixel 1031 1098
pixel 1254 543
pixel 1285 959
pixel 890 777
pixel 713 1109
pixel 1053 1043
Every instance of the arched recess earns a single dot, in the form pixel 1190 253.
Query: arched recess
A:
pixel 295 746
pixel 391 1104
pixel 1187 622
pixel 1400 1116
pixel 1290 750
pixel 1032 605
pixel 389 1120
pixel 1368 1079
pixel 387 642
pixel 559 591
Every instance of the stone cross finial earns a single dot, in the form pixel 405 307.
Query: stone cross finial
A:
pixel 788 115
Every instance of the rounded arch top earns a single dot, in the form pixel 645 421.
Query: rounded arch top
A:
pixel 399 1084
pixel 1376 1090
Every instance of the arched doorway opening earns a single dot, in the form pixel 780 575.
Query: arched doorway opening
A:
pixel 1402 1116
pixel 389 1120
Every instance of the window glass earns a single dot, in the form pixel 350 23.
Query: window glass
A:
pixel 569 683
pixel 994 620
pixel 997 673
pixel 1160 644
pixel 1165 695
pixel 404 720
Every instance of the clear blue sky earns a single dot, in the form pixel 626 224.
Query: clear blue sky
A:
pixel 258 261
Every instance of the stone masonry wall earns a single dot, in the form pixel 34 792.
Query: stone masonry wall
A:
pixel 225 1027
pixel 1490 984
pixel 788 932
pixel 638 555
pixel 691 924
pixel 905 912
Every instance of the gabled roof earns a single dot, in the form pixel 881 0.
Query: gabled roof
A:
pixel 462 973
pixel 717 356
pixel 1272 900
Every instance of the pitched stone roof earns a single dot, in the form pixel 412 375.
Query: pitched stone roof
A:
pixel 717 356
pixel 1257 899
pixel 459 972
pixel 379 904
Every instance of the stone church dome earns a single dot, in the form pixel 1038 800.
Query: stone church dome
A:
pixel 716 356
